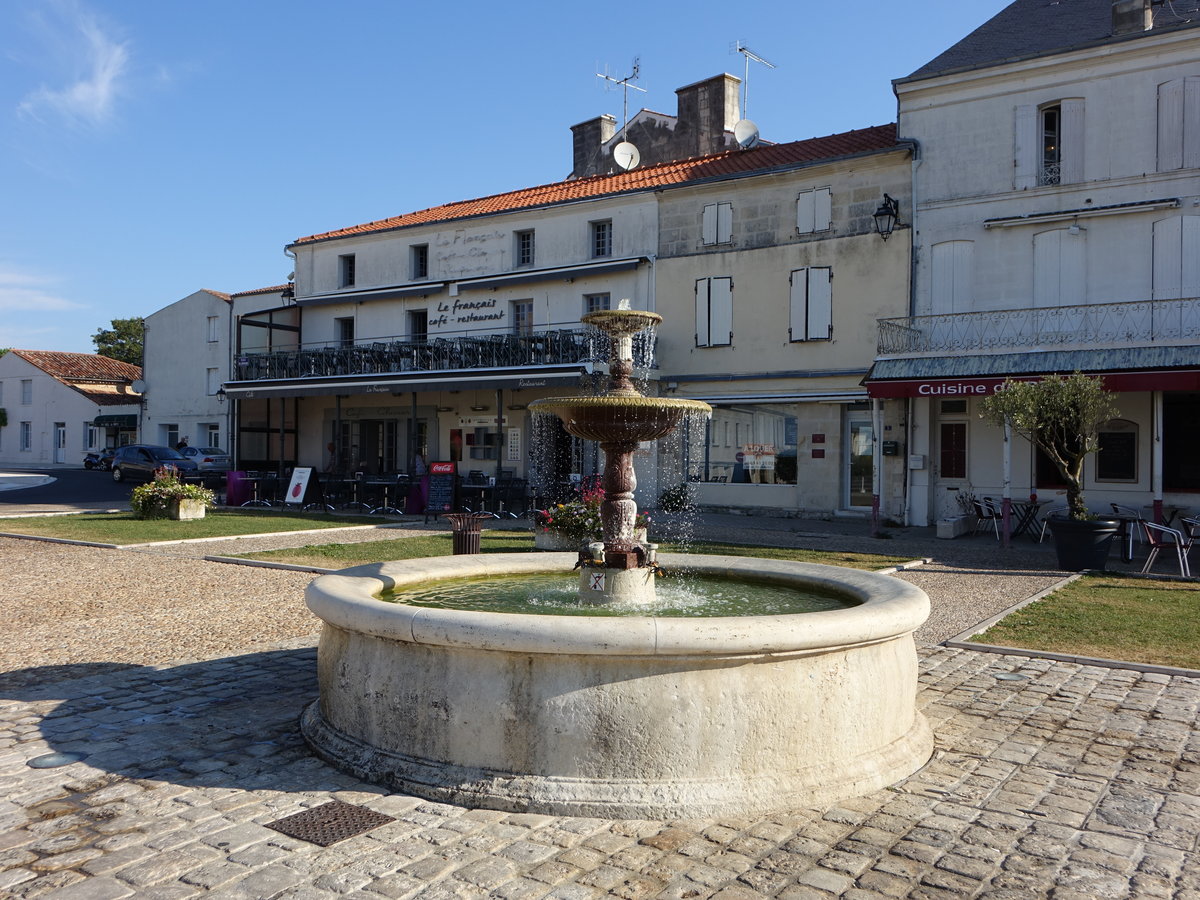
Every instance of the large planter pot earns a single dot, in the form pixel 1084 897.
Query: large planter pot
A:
pixel 1082 544
pixel 186 509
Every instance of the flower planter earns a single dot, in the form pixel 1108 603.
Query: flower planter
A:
pixel 553 540
pixel 185 509
pixel 1082 544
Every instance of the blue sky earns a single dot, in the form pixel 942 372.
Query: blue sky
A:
pixel 149 149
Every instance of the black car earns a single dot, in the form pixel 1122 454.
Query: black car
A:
pixel 139 461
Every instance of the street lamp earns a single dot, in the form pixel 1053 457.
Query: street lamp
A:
pixel 887 217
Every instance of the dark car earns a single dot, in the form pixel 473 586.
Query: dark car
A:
pixel 139 462
pixel 211 460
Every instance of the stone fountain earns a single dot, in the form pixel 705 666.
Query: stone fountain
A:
pixel 619 420
pixel 620 717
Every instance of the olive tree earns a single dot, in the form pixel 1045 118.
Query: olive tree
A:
pixel 1061 416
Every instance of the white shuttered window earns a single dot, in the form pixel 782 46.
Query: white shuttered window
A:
pixel 714 312
pixel 811 307
pixel 814 210
pixel 1177 258
pixel 1059 275
pixel 1179 124
pixel 952 265
pixel 717 223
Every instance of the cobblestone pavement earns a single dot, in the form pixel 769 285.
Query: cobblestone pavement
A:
pixel 1071 782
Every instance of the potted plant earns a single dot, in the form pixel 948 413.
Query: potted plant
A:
pixel 166 497
pixel 1061 416
pixel 564 526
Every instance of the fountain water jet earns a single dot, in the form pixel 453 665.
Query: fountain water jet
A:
pixel 638 717
pixel 620 420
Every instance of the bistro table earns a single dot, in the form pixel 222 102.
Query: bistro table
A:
pixel 1170 511
pixel 1027 517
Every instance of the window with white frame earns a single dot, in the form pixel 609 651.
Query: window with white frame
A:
pixel 523 247
pixel 212 381
pixel 1059 270
pixel 26 391
pixel 211 435
pixel 1176 267
pixel 601 238
pixel 91 436
pixel 1049 144
pixel 346 270
pixel 522 316
pixel 714 312
pixel 214 329
pixel 811 304
pixel 418 258
pixel 1179 124
pixel 596 302
pixel 952 276
pixel 170 434
pixel 26 436
pixel 814 210
pixel 716 224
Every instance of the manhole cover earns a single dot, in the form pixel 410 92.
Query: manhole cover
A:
pixel 329 823
pixel 54 760
pixel 1012 676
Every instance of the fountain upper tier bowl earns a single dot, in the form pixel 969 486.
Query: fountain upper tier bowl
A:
pixel 620 417
pixel 640 717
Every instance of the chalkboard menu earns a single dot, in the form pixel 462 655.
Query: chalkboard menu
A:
pixel 443 484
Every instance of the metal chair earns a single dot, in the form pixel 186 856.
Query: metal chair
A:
pixel 1159 537
pixel 985 512
pixel 1046 516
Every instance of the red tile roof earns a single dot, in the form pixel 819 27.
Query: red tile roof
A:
pixel 80 366
pixel 721 165
pixel 266 290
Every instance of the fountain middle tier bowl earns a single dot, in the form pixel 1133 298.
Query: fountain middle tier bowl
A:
pixel 639 717
pixel 620 417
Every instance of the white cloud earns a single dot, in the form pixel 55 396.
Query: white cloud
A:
pixel 92 62
pixel 27 292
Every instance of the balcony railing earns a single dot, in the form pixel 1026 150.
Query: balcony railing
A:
pixel 1092 325
pixel 440 354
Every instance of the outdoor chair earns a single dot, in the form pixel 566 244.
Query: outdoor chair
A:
pixel 985 514
pixel 1129 531
pixel 1046 516
pixel 1159 537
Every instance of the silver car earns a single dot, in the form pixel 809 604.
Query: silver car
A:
pixel 208 459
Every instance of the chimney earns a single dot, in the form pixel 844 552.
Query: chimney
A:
pixel 587 138
pixel 706 111
pixel 1131 16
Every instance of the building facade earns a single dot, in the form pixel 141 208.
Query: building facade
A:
pixel 1056 186
pixel 55 407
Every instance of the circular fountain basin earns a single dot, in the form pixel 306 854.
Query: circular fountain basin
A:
pixel 638 717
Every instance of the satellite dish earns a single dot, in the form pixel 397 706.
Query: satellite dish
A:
pixel 745 132
pixel 138 386
pixel 626 155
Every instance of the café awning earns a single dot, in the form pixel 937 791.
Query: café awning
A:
pixel 116 421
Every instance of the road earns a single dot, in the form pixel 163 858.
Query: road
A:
pixel 70 489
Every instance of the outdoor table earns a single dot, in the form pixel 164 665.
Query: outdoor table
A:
pixel 384 485
pixel 1027 516
pixel 479 495
pixel 254 481
pixel 1170 512
pixel 1125 534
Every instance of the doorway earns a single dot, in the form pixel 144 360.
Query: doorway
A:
pixel 859 463
pixel 60 442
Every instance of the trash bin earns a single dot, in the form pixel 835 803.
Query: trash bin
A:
pixel 466 531
pixel 237 491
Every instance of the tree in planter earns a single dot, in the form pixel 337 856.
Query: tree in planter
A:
pixel 1061 416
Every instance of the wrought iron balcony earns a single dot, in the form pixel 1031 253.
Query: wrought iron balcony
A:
pixel 1139 323
pixel 441 354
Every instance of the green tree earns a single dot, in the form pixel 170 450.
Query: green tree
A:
pixel 123 341
pixel 1061 416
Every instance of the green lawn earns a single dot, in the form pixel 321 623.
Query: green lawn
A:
pixel 1110 617
pixel 335 556
pixel 123 528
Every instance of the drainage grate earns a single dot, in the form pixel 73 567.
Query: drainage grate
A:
pixel 329 823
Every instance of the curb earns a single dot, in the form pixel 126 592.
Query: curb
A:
pixel 54 540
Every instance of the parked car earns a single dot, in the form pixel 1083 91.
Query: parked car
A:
pixel 99 459
pixel 139 461
pixel 211 460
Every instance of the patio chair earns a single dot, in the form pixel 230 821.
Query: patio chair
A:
pixel 985 513
pixel 1159 537
pixel 1046 516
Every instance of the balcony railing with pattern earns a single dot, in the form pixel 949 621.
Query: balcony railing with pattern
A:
pixel 1140 322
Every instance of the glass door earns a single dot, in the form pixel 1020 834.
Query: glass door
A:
pixel 859 463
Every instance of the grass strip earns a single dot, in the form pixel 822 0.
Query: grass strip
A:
pixel 123 528
pixel 1110 617
pixel 404 546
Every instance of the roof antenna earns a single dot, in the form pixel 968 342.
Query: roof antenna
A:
pixel 625 155
pixel 745 132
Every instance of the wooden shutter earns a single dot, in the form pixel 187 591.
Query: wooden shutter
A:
pixel 1170 125
pixel 708 224
pixel 822 209
pixel 1025 162
pixel 798 304
pixel 702 329
pixel 1168 259
pixel 1189 251
pixel 1191 122
pixel 724 223
pixel 820 303
pixel 806 212
pixel 1046 268
pixel 1072 268
pixel 952 264
pixel 720 311
pixel 1072 139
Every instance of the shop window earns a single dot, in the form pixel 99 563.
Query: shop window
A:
pixel 762 449
pixel 953 450
pixel 1117 457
